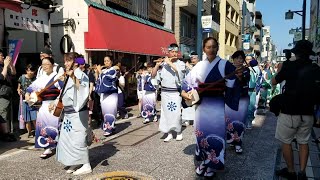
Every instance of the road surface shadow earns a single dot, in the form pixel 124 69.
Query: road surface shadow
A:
pixel 101 154
pixel 7 146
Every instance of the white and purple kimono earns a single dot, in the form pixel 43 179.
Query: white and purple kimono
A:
pixel 148 109
pixel 210 114
pixel 236 119
pixel 72 147
pixel 47 124
pixel 170 118
pixel 106 87
pixel 188 113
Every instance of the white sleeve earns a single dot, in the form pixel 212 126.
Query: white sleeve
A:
pixel 81 95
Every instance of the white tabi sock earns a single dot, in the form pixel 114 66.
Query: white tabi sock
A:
pixel 72 169
pixel 85 169
pixel 168 138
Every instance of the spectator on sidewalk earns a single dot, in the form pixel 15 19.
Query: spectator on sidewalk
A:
pixel 297 108
pixel 29 113
pixel 7 71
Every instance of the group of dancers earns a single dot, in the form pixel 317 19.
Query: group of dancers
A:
pixel 220 115
pixel 215 93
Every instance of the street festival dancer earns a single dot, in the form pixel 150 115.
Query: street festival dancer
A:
pixel 254 90
pixel 171 75
pixel 72 149
pixel 188 113
pixel 107 89
pixel 210 124
pixel 46 122
pixel 149 98
pixel 236 119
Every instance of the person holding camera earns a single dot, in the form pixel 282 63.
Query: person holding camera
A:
pixel 7 70
pixel 297 107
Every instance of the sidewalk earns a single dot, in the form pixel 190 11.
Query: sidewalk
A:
pixel 313 165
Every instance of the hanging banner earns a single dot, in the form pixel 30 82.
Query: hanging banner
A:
pixel 14 49
pixel 32 19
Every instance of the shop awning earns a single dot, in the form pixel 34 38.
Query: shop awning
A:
pixel 108 31
pixel 14 5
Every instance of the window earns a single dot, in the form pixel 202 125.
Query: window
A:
pixel 185 27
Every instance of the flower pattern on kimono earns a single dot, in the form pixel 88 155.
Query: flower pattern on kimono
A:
pixel 67 125
pixel 43 132
pixel 212 156
pixel 230 127
pixel 47 136
pixel 172 106
pixel 107 126
pixel 198 133
pixel 39 124
pixel 148 110
pixel 204 143
pixel 235 136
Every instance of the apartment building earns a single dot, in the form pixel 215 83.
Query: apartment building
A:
pixel 229 27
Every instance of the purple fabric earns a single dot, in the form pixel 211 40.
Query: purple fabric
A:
pixel 236 121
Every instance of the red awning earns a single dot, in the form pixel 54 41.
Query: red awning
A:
pixel 14 5
pixel 108 31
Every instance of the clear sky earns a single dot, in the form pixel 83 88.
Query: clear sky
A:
pixel 273 15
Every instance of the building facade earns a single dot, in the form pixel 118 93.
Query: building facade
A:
pixel 229 27
pixel 314 33
pixel 258 35
pixel 185 23
pixel 132 32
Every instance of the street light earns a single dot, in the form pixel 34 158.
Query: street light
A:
pixel 199 28
pixel 289 15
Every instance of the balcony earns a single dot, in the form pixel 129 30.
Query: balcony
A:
pixel 191 6
pixel 215 15
pixel 258 23
pixel 232 27
pixel 234 4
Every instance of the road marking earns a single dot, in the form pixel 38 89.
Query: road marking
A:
pixel 116 175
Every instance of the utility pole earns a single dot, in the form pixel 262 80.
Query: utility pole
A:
pixel 199 29
pixel 244 12
pixel 304 6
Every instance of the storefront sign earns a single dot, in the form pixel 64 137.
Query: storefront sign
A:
pixel 32 19
pixel 14 49
pixel 246 41
pixel 206 22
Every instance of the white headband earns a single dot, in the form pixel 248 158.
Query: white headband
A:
pixel 173 48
